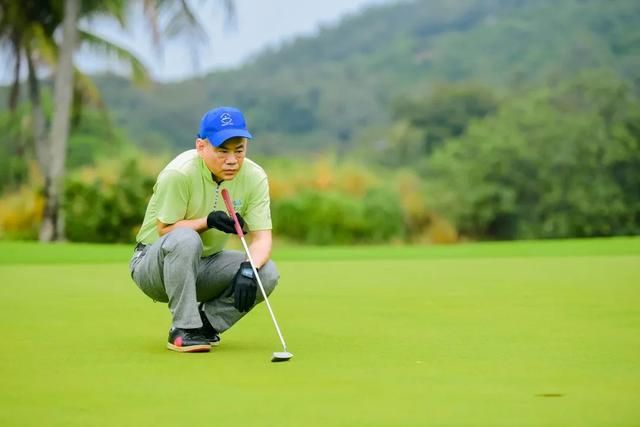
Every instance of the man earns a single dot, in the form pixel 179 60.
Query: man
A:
pixel 180 259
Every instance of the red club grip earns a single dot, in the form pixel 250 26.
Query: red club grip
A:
pixel 232 211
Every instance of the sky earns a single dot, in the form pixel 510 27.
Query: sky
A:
pixel 258 24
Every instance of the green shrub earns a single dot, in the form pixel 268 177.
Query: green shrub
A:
pixel 107 208
pixel 561 161
pixel 331 217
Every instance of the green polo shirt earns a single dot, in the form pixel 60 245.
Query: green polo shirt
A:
pixel 185 189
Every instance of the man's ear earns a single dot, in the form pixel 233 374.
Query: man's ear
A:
pixel 246 143
pixel 200 144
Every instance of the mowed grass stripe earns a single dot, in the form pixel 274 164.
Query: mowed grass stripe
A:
pixel 78 253
pixel 467 341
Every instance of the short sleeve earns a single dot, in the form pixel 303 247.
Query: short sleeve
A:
pixel 258 210
pixel 172 197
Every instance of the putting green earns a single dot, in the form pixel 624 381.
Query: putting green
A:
pixel 504 334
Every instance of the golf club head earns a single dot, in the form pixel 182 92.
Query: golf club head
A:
pixel 281 356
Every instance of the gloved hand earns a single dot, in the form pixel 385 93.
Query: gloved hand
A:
pixel 244 287
pixel 223 222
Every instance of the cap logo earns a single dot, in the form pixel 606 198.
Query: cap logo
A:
pixel 225 119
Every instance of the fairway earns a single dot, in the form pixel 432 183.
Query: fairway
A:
pixel 491 334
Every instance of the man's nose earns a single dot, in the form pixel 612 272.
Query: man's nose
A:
pixel 231 158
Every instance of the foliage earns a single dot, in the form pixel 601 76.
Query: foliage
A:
pixel 320 91
pixel 14 141
pixel 333 202
pixel 92 137
pixel 424 123
pixel 444 117
pixel 21 213
pixel 28 31
pixel 560 161
pixel 107 204
pixel 329 217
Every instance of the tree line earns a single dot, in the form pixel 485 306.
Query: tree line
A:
pixel 326 89
pixel 406 157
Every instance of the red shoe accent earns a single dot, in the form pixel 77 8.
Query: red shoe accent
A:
pixel 178 342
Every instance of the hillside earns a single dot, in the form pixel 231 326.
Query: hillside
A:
pixel 322 91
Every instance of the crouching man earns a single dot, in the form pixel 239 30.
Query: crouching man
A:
pixel 179 258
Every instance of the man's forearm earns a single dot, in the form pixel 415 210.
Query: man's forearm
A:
pixel 260 249
pixel 198 224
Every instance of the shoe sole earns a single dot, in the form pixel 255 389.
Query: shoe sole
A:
pixel 214 343
pixel 200 348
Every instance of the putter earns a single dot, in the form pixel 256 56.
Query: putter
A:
pixel 278 356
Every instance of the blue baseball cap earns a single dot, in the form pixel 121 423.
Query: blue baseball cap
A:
pixel 222 123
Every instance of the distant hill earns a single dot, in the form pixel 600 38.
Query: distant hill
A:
pixel 321 91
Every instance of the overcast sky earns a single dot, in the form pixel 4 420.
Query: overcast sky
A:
pixel 258 24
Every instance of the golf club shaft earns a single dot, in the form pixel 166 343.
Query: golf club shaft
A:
pixel 264 294
pixel 240 233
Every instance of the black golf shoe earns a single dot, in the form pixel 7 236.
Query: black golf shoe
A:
pixel 187 341
pixel 207 330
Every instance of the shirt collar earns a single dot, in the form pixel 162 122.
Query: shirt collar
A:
pixel 206 173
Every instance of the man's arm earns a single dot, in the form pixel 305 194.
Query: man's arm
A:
pixel 198 224
pixel 216 219
pixel 260 247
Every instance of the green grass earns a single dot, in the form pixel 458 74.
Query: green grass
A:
pixel 503 334
pixel 62 253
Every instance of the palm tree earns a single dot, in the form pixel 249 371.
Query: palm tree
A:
pixel 28 28
pixel 53 221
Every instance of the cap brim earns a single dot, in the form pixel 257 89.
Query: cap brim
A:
pixel 220 137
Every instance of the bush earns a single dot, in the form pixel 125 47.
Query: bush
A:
pixel 562 161
pixel 21 213
pixel 332 202
pixel 107 205
pixel 330 217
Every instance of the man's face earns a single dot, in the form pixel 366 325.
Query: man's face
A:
pixel 224 161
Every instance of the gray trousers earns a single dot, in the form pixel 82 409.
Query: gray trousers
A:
pixel 171 270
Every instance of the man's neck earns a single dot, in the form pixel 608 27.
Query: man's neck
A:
pixel 216 179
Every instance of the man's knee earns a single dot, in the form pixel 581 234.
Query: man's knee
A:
pixel 269 276
pixel 184 240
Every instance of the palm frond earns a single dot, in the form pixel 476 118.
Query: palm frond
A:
pixel 87 93
pixel 172 19
pixel 44 47
pixel 185 21
pixel 113 8
pixel 87 89
pixel 139 71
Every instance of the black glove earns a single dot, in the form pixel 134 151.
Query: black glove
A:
pixel 223 222
pixel 244 288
